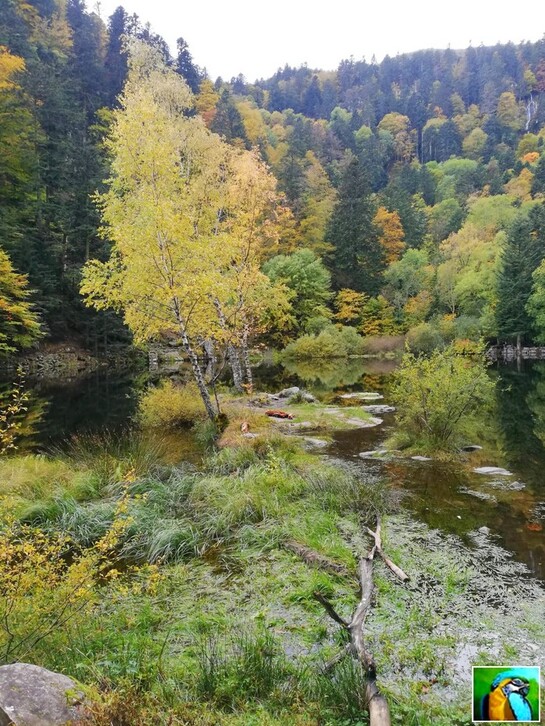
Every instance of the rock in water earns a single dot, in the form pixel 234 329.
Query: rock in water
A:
pixel 374 454
pixel 34 696
pixel 492 471
pixel 379 408
pixel 318 443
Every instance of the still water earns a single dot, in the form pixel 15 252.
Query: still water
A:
pixel 449 496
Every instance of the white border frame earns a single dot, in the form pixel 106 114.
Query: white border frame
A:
pixel 507 668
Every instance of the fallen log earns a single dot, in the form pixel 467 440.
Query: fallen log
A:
pixel 387 561
pixel 315 559
pixel 379 712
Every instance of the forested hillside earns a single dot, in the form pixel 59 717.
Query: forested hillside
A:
pixel 416 184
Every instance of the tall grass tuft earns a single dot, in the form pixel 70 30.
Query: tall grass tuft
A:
pixel 112 456
pixel 250 667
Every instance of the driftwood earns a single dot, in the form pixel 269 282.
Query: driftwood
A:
pixel 387 561
pixel 315 559
pixel 379 713
pixel 278 413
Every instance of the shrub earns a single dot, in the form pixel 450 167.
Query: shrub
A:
pixel 315 325
pixel 380 344
pixel 352 340
pixel 437 398
pixel 169 405
pixel 424 338
pixel 332 342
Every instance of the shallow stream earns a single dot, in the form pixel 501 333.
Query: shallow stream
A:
pixel 447 496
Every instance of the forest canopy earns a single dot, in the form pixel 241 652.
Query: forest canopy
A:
pixel 416 183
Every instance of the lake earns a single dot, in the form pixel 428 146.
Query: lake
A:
pixel 446 495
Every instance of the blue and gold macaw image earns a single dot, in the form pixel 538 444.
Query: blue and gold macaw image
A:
pixel 506 694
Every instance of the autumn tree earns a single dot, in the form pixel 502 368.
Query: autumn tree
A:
pixel 19 323
pixel 164 214
pixel 348 306
pixel 391 234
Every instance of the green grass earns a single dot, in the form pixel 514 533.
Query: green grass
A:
pixel 326 418
pixel 233 634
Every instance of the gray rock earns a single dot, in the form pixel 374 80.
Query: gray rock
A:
pixel 249 436
pixel 484 530
pixel 492 471
pixel 318 443
pixel 299 426
pixel 374 454
pixel 364 396
pixel 513 486
pixel 373 421
pixel 307 397
pixel 421 458
pixel 34 696
pixel 287 392
pixel 471 447
pixel 379 408
pixel 479 495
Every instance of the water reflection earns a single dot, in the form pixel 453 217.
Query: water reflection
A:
pixel 445 495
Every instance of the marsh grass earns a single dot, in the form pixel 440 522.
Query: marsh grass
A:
pixel 244 668
pixel 112 456
pixel 233 634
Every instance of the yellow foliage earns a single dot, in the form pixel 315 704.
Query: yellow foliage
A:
pixel 206 101
pixel 417 308
pixel 521 185
pixel 45 583
pixel 391 234
pixel 530 158
pixel 10 65
pixel 349 304
pixel 10 414
pixel 169 405
pixel 254 125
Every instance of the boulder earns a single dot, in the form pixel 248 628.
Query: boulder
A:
pixel 288 392
pixel 317 443
pixel 34 696
pixel 374 454
pixel 307 397
pixel 484 530
pixel 421 458
pixel 471 447
pixel 359 423
pixel 379 408
pixel 364 396
pixel 492 471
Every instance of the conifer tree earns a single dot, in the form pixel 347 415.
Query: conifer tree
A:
pixel 523 252
pixel 358 259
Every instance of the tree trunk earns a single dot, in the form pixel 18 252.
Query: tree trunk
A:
pixel 236 368
pixel 232 354
pixel 197 374
pixel 246 358
pixel 519 347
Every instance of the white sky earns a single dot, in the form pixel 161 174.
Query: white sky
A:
pixel 249 37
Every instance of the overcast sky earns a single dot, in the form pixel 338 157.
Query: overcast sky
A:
pixel 250 37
